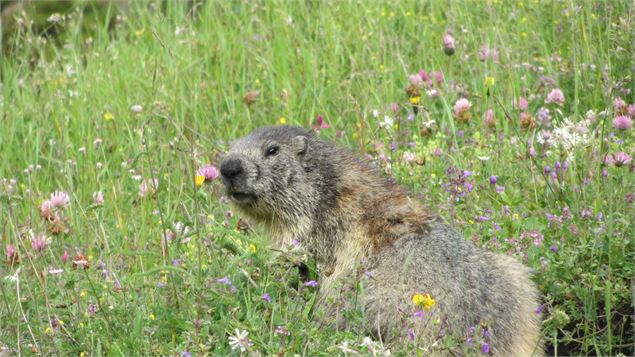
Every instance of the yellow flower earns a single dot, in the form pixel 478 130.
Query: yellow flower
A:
pixel 252 247
pixel 108 116
pixel 415 100
pixel 426 302
pixel 151 317
pixel 82 294
pixel 489 81
pixel 198 180
pixel 282 120
pixel 140 31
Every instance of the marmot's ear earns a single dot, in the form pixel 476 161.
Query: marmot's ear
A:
pixel 299 144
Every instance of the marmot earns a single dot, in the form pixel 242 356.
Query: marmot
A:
pixel 358 225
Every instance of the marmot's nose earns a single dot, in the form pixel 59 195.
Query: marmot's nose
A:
pixel 231 168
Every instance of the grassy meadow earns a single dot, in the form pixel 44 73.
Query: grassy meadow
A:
pixel 511 119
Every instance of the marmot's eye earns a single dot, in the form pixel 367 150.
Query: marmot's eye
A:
pixel 272 150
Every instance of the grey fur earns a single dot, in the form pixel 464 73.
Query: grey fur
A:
pixel 353 221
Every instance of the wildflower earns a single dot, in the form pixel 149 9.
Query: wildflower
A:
pixel 449 45
pixel 415 80
pixel 205 174
pixel 485 347
pixel 280 330
pixel 622 122
pixel 536 236
pixel 619 105
pixel 462 110
pixel 46 210
pixel 97 143
pixel 186 354
pixel 320 124
pixel 282 121
pixel 618 159
pixel 65 256
pixel 411 335
pixel 92 309
pixel 240 341
pixel 98 198
pixel 426 302
pixel 12 254
pixel 80 261
pixel 631 110
pixel 539 309
pixel 489 81
pixel 266 297
pixel 415 100
pixel 487 53
pixel 394 107
pixel 148 187
pixel 60 199
pixel 136 108
pixel 490 120
pixel 520 103
pixel 311 283
pixel 40 242
pixel 544 118
pixel 500 189
pixel 554 248
pixel 224 280
pixel 492 180
pixel 387 122
pixel 556 97
pixel 108 116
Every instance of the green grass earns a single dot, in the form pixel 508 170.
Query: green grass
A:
pixel 65 84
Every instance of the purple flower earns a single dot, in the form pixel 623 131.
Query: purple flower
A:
pixel 224 280
pixel 554 248
pixel 280 330
pixel 92 309
pixel 209 172
pixel 500 189
pixel 586 213
pixel 622 122
pixel 418 314
pixel 619 105
pixel 547 169
pixel 449 45
pixel 39 242
pixel 493 179
pixel 618 159
pixel 311 283
pixel 470 342
pixel 411 335
pixel 556 97
pixel 320 124
pixel 485 347
pixel 60 199
pixel 186 354
pixel 266 297
pixel 543 117
pixel 177 262
pixel 539 309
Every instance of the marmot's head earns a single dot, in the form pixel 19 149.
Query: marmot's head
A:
pixel 268 175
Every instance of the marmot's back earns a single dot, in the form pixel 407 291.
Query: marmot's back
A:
pixel 352 220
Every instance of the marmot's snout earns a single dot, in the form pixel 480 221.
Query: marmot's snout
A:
pixel 235 179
